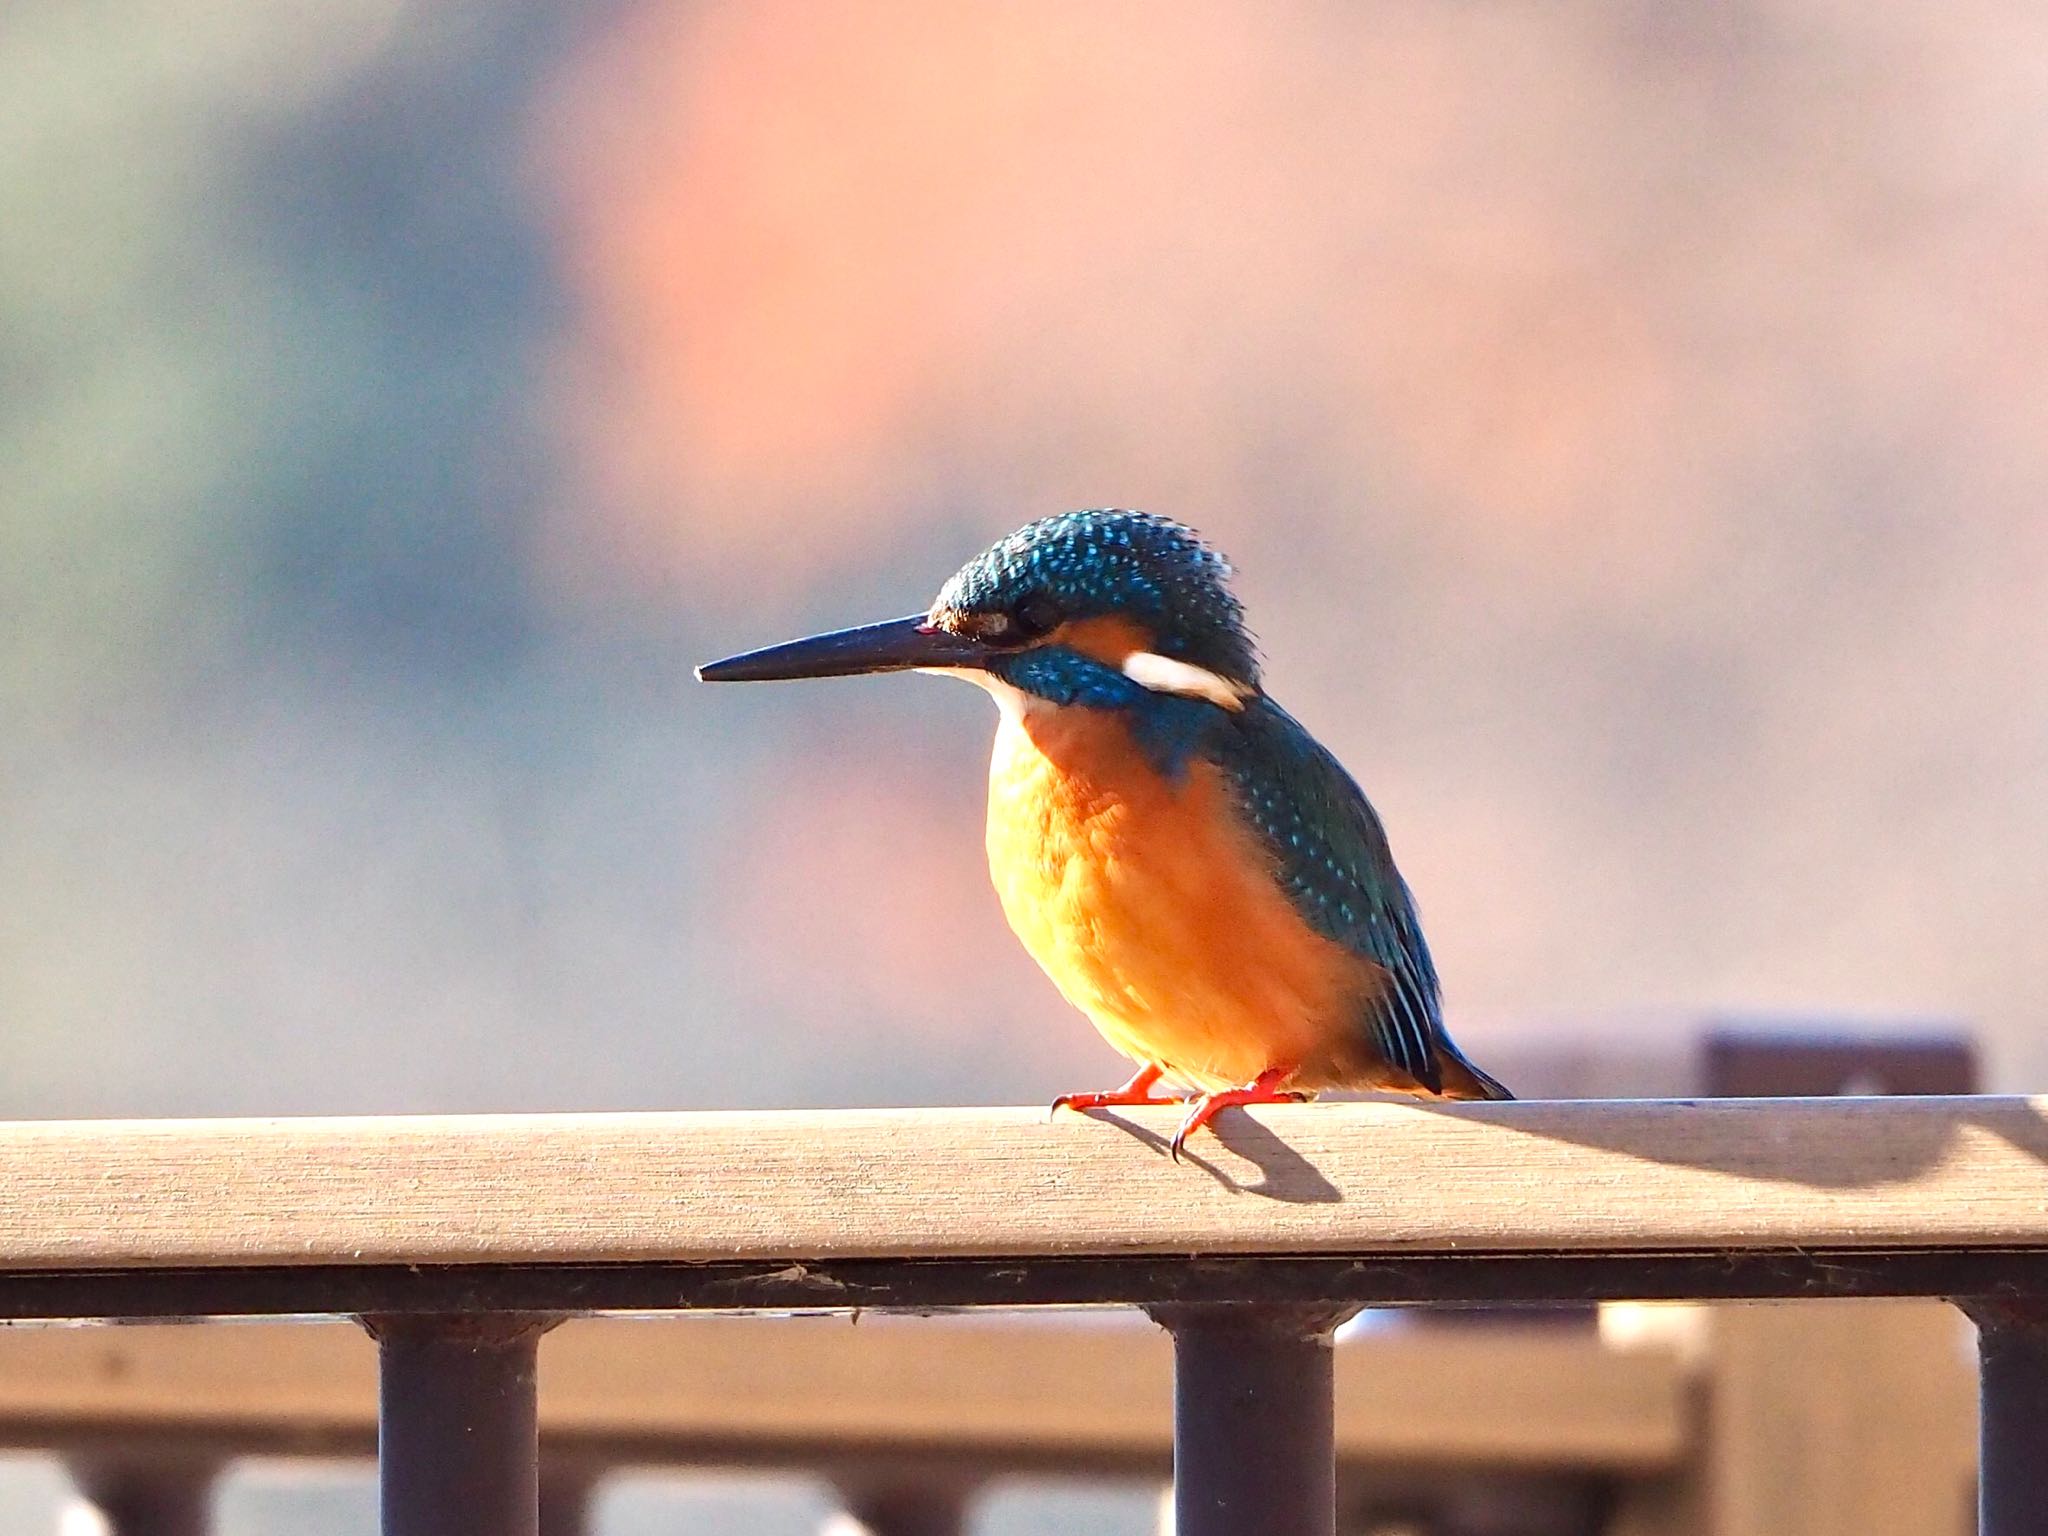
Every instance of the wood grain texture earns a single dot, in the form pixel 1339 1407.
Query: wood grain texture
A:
pixel 816 1392
pixel 1364 1178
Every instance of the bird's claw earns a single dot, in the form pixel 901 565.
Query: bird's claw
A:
pixel 1263 1089
pixel 1110 1100
pixel 1137 1091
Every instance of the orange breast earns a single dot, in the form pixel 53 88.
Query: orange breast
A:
pixel 1153 910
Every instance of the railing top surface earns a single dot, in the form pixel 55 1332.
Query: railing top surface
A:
pixel 1358 1179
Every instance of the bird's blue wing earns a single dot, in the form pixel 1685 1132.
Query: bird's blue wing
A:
pixel 1331 855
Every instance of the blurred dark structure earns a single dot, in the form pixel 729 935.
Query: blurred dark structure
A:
pixel 1757 1063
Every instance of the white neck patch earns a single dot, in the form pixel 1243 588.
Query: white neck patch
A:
pixel 1014 702
pixel 1163 674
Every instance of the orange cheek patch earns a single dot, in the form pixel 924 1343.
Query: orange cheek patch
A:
pixel 1110 638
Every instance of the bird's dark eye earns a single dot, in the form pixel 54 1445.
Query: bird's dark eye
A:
pixel 1034 616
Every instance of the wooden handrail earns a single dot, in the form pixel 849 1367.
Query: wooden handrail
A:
pixel 1363 1179
pixel 461 1239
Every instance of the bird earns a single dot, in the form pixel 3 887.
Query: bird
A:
pixel 1192 869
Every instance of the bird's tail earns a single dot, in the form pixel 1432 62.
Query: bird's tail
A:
pixel 1462 1080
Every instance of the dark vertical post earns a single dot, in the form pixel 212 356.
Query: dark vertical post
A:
pixel 457 1428
pixel 2012 1455
pixel 566 1494
pixel 136 1497
pixel 1254 1420
pixel 902 1507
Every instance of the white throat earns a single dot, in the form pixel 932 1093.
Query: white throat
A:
pixel 1014 702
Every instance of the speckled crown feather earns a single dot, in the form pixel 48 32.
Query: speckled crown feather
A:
pixel 1150 569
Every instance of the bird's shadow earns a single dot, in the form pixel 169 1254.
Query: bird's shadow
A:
pixel 1284 1174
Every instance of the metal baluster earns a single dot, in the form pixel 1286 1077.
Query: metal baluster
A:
pixel 2012 1457
pixel 935 1506
pixel 567 1491
pixel 457 1430
pixel 1254 1419
pixel 123 1496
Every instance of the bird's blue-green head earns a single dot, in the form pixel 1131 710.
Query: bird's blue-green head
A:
pixel 1085 607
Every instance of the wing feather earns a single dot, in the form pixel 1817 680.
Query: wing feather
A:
pixel 1330 852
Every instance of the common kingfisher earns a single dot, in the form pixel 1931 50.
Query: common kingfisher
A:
pixel 1193 870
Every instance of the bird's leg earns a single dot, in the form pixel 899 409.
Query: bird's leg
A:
pixel 1263 1089
pixel 1137 1091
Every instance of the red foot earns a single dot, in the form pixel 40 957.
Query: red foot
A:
pixel 1263 1089
pixel 1137 1091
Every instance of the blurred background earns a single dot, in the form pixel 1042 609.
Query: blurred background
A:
pixel 1630 423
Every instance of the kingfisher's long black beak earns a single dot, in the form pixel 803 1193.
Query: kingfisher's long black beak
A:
pixel 900 645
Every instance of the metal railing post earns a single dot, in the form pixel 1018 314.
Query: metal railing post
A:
pixel 901 1507
pixel 137 1497
pixel 2012 1431
pixel 1254 1419
pixel 567 1492
pixel 457 1427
